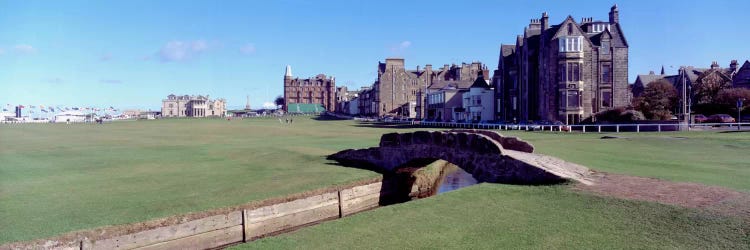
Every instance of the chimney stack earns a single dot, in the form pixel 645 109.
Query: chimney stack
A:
pixel 614 15
pixel 714 65
pixel 545 21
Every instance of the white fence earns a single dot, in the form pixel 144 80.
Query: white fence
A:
pixel 598 128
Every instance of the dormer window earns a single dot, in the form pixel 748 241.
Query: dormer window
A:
pixel 570 44
pixel 599 27
pixel 605 47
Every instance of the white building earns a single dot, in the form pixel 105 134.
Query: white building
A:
pixel 70 116
pixel 478 102
pixel 192 106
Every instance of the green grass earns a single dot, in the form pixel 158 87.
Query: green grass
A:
pixel 56 178
pixel 495 216
pixel 719 159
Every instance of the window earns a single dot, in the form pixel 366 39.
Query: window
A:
pixel 562 99
pixel 561 73
pixel 605 47
pixel 476 116
pixel 573 99
pixel 606 99
pixel 606 73
pixel 170 105
pixel 599 27
pixel 515 102
pixel 476 100
pixel 570 72
pixel 570 43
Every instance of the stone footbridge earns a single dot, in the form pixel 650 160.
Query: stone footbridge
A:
pixel 487 155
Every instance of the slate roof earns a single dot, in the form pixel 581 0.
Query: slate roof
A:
pixel 646 79
pixel 480 83
pixel 507 50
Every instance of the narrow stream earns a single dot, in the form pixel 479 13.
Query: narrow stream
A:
pixel 454 179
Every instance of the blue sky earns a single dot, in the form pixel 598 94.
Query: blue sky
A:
pixel 132 54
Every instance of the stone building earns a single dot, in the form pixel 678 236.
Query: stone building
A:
pixel 320 89
pixel 343 97
pixel 734 76
pixel 563 72
pixel 401 92
pixel 461 104
pixel 741 77
pixel 192 106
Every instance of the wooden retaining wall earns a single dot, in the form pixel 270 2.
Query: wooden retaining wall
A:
pixel 232 227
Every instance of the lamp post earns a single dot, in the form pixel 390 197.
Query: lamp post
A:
pixel 685 115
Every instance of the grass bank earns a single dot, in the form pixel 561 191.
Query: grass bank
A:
pixel 492 216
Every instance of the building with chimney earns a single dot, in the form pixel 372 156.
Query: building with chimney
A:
pixel 318 91
pixel 402 93
pixel 690 76
pixel 564 72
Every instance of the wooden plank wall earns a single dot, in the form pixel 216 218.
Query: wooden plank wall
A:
pixel 236 226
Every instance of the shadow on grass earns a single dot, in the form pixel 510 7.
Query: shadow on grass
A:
pixel 734 131
pixel 384 125
pixel 328 118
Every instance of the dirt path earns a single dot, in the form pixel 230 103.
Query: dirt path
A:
pixel 692 195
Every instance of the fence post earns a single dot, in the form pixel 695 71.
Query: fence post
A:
pixel 659 127
pixel 618 128
pixel 638 128
pixel 600 129
pixel 584 129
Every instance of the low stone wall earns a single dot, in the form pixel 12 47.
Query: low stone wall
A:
pixel 230 227
pixel 510 143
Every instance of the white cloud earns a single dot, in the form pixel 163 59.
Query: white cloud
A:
pixel 248 49
pixel 24 49
pixel 401 46
pixel 178 51
pixel 404 44
pixel 269 105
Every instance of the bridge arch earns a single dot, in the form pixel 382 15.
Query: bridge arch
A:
pixel 487 155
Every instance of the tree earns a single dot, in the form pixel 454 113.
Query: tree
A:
pixel 728 97
pixel 706 88
pixel 658 98
pixel 279 101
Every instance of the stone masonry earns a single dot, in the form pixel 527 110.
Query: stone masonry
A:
pixel 485 157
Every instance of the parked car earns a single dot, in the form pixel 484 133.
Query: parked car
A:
pixel 562 126
pixel 700 118
pixel 720 118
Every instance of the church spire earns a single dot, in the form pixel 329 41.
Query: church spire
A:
pixel 288 71
pixel 247 105
pixel 662 70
